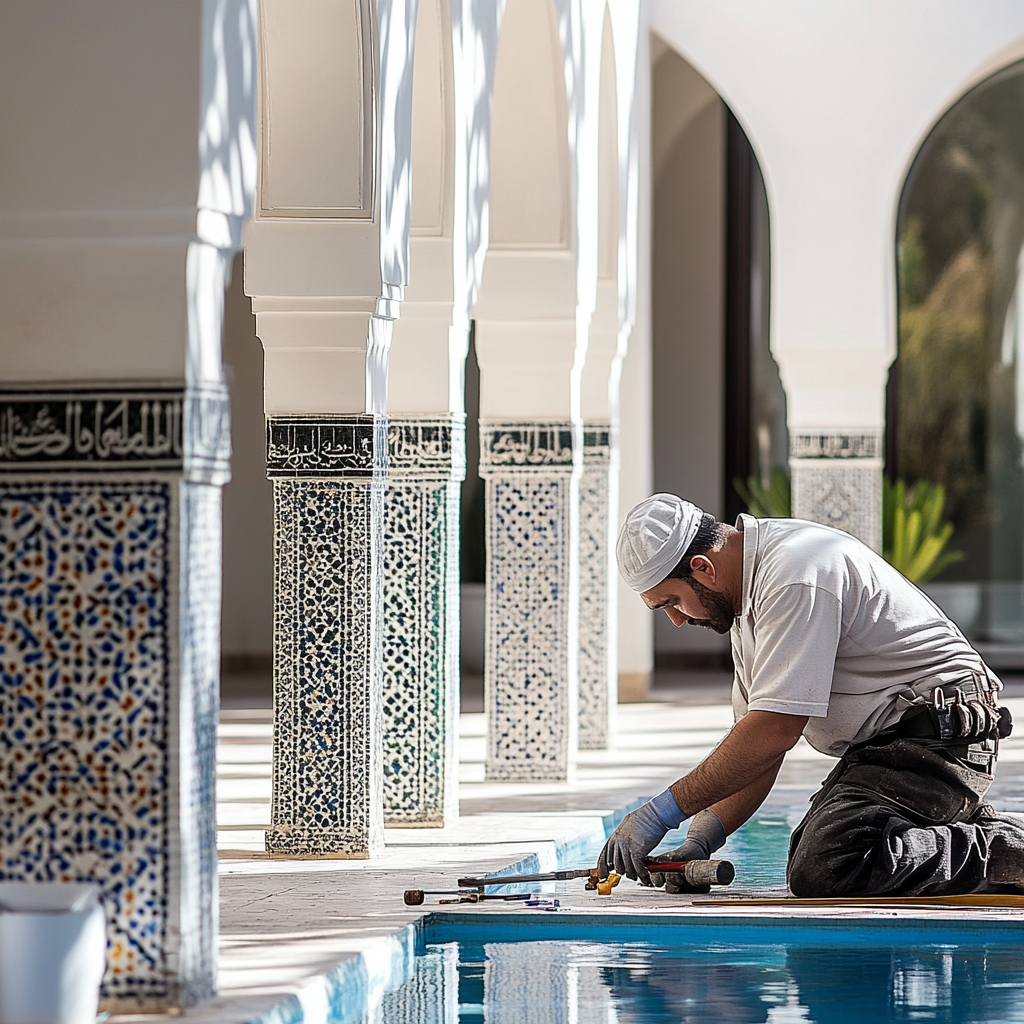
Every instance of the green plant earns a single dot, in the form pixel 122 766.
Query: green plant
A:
pixel 766 502
pixel 914 534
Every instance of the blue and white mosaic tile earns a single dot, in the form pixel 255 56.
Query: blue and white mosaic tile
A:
pixel 528 690
pixel 420 626
pixel 415 657
pixel 84 632
pixel 596 680
pixel 328 789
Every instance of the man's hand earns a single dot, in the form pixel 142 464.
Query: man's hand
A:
pixel 733 780
pixel 626 851
pixel 628 847
pixel 706 835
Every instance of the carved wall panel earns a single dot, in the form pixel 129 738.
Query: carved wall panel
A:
pixel 529 690
pixel 837 480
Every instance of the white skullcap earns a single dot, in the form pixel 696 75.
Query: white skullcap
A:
pixel 653 538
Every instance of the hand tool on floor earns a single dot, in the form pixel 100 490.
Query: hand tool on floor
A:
pixel 415 897
pixel 697 872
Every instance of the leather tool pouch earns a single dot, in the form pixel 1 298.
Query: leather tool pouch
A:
pixel 970 721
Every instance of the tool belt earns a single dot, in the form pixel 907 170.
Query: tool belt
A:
pixel 965 713
pixel 963 721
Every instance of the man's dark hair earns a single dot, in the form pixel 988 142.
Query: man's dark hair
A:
pixel 710 534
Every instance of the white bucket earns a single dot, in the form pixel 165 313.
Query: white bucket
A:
pixel 53 945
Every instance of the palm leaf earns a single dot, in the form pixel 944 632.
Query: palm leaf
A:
pixel 914 534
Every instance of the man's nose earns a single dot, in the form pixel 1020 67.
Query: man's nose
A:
pixel 676 616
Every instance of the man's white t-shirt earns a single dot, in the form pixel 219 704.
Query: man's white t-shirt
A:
pixel 830 630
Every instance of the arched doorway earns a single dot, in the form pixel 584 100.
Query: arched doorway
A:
pixel 955 409
pixel 719 409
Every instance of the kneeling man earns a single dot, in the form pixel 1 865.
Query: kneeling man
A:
pixel 832 643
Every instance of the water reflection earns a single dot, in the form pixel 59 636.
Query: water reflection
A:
pixel 638 983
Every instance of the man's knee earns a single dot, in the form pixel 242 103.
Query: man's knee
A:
pixel 808 874
pixel 833 852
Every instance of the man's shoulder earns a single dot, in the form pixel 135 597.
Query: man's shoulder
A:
pixel 795 551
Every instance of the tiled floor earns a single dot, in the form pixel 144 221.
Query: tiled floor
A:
pixel 284 924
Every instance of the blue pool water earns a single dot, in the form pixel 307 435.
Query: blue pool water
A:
pixel 539 968
pixel 708 982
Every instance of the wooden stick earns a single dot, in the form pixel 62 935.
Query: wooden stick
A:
pixel 967 900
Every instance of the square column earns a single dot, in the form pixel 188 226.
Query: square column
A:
pixel 109 650
pixel 328 474
pixel 427 462
pixel 530 673
pixel 837 480
pixel 598 672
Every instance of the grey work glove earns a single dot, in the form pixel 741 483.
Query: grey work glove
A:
pixel 705 835
pixel 627 848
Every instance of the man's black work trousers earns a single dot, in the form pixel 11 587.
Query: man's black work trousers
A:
pixel 904 819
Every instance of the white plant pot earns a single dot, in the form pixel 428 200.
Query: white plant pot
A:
pixel 53 946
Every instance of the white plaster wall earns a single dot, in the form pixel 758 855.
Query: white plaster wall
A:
pixel 247 613
pixel 688 149
pixel 99 168
pixel 636 623
pixel 526 310
pixel 835 99
pixel 421 365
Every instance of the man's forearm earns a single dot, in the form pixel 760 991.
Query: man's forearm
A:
pixel 734 810
pixel 754 747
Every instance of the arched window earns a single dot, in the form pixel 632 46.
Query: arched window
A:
pixel 956 394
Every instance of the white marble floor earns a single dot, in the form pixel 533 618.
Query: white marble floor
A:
pixel 286 925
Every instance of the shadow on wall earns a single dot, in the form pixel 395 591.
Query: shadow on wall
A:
pixel 247 615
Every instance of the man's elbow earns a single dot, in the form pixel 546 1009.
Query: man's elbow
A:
pixel 780 732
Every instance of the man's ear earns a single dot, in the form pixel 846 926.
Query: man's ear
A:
pixel 704 566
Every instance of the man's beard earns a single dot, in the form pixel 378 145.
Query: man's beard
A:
pixel 718 607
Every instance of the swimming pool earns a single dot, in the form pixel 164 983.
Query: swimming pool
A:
pixel 708 980
pixel 528 967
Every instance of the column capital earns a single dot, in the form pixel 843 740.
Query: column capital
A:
pixel 427 447
pixel 836 444
pixel 116 428
pixel 342 447
pixel 526 447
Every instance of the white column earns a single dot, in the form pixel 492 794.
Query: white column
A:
pixel 326 262
pixel 427 454
pixel 531 349
pixel 114 248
